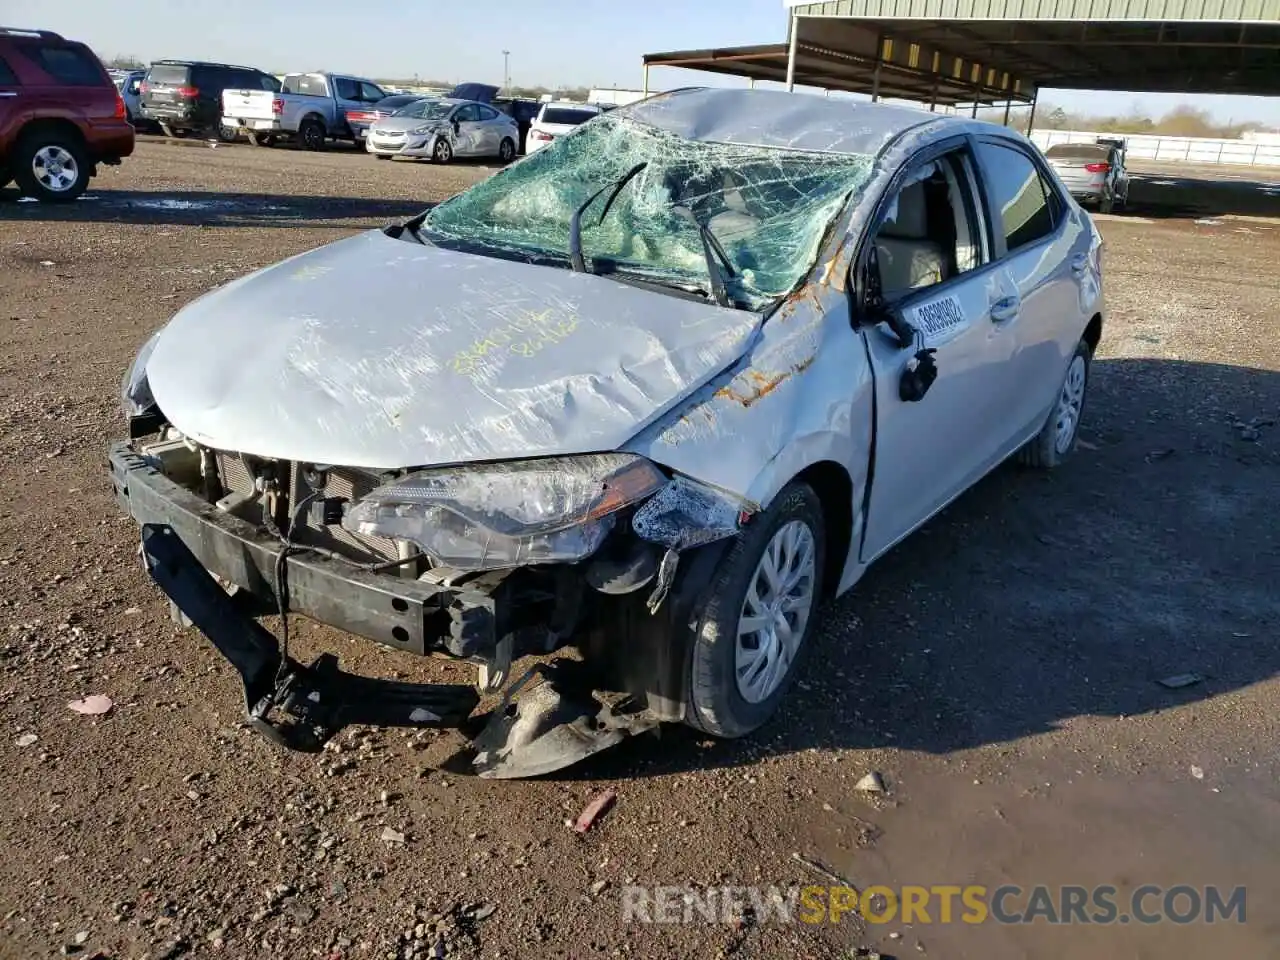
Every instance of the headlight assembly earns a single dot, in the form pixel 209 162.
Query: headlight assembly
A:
pixel 488 516
pixel 135 391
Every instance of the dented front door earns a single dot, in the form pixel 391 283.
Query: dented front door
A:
pixel 928 451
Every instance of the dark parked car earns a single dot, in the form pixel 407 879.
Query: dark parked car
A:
pixel 524 112
pixel 185 96
pixel 60 115
pixel 360 120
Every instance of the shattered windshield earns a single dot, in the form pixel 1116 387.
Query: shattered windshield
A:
pixel 768 208
pixel 425 110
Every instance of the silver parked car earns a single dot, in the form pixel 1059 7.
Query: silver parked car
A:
pixel 624 396
pixel 1092 172
pixel 443 129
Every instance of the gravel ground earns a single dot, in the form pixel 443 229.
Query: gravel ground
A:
pixel 999 669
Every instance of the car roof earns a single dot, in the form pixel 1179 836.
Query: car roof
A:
pixel 776 118
pixel 572 105
pixel 201 63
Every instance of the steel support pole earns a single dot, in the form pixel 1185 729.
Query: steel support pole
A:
pixel 646 80
pixel 1031 119
pixel 1008 105
pixel 791 55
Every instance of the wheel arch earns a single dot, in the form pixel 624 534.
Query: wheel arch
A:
pixel 53 125
pixel 1093 332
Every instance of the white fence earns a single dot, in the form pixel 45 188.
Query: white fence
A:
pixel 1173 149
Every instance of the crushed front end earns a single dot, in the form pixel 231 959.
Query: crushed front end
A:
pixel 483 563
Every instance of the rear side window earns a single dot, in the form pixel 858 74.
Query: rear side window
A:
pixel 345 89
pixel 567 115
pixel 306 85
pixel 487 113
pixel 74 66
pixel 169 73
pixel 1024 202
pixel 7 78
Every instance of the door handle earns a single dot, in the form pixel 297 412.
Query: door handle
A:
pixel 1006 308
pixel 1079 264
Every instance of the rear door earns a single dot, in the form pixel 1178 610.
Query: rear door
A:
pixel 490 131
pixel 1044 244
pixel 346 94
pixel 11 108
pixel 935 266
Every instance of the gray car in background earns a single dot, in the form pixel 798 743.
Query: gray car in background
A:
pixel 440 130
pixel 1093 173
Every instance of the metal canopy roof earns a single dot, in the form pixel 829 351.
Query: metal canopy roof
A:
pixel 986 51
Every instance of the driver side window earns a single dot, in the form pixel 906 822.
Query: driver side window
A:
pixel 931 231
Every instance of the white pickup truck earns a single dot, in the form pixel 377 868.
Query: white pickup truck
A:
pixel 310 106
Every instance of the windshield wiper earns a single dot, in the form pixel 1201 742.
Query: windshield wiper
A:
pixel 575 222
pixel 717 269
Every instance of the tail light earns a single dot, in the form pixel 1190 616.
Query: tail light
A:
pixel 189 92
pixel 120 113
pixel 144 87
pixel 360 116
pixel 1097 167
pixel 541 137
pixel 277 105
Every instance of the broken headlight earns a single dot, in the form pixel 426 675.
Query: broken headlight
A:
pixel 487 516
pixel 135 390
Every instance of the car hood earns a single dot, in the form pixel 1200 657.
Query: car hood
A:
pixel 381 353
pixel 405 124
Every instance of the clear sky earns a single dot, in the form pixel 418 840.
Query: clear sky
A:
pixel 552 42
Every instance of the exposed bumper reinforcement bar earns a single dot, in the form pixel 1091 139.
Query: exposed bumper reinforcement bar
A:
pixel 320 699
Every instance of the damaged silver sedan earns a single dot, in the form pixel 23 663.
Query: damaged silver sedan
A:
pixel 647 397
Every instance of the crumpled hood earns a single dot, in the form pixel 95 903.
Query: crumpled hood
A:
pixel 381 353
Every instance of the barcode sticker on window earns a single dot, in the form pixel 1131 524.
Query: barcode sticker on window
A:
pixel 939 316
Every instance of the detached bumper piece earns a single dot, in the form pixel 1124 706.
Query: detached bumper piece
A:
pixel 318 700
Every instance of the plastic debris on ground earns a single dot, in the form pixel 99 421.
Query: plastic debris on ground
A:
pixel 93 705
pixel 595 810
pixel 1180 680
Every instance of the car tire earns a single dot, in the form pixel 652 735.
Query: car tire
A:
pixel 506 150
pixel 442 151
pixel 732 693
pixel 227 134
pixel 5 177
pixel 311 134
pixel 381 156
pixel 51 166
pixel 1057 439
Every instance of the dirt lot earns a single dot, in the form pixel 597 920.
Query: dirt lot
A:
pixel 999 669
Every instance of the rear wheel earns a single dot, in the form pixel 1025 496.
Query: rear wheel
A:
pixel 757 614
pixel 443 151
pixel 1056 440
pixel 506 150
pixel 51 167
pixel 311 134
pixel 227 134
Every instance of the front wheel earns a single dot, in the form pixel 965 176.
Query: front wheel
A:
pixel 51 167
pixel 506 150
pixel 758 613
pixel 1057 438
pixel 443 151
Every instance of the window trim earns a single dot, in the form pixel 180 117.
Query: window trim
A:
pixel 1057 206
pixel 14 80
pixel 960 144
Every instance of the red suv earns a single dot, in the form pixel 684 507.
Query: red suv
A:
pixel 60 115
